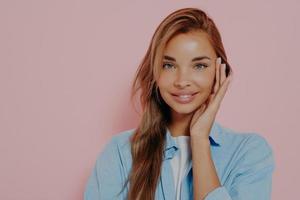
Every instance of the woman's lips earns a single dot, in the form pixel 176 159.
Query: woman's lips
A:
pixel 183 99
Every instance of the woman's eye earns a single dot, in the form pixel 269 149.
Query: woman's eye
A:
pixel 167 65
pixel 199 66
pixel 170 65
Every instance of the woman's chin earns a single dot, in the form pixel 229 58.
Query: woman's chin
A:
pixel 184 111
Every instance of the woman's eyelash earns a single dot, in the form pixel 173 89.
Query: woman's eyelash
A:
pixel 166 64
pixel 204 65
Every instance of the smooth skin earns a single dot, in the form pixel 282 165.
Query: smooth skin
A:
pixel 207 77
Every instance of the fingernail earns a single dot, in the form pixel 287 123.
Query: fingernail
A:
pixel 219 60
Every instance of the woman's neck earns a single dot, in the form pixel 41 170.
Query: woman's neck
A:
pixel 180 125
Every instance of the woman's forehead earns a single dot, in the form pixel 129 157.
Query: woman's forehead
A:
pixel 189 45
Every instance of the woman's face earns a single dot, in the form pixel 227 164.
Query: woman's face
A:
pixel 187 75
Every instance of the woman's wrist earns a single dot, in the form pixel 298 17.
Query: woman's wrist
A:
pixel 200 141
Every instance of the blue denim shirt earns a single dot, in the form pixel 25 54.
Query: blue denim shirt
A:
pixel 244 163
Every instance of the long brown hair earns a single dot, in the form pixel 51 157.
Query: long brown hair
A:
pixel 148 140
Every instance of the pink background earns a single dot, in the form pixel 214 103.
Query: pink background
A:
pixel 65 74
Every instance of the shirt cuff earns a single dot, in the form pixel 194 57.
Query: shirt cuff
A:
pixel 220 193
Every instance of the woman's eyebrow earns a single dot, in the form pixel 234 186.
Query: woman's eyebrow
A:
pixel 194 59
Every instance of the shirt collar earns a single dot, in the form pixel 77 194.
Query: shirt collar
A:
pixel 214 138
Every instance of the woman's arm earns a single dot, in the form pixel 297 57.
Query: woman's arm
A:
pixel 252 176
pixel 205 177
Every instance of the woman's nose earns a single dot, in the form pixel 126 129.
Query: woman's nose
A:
pixel 182 79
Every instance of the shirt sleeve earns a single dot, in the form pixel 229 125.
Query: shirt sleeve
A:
pixel 106 179
pixel 252 174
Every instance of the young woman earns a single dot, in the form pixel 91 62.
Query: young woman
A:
pixel 179 151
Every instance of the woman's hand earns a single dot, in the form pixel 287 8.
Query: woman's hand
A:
pixel 204 117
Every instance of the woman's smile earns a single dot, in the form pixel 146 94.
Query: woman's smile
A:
pixel 184 98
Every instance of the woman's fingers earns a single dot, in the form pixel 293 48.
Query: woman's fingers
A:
pixel 198 113
pixel 217 83
pixel 219 78
pixel 223 74
pixel 221 92
pixel 221 85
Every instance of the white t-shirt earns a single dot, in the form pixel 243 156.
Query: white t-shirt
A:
pixel 180 162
